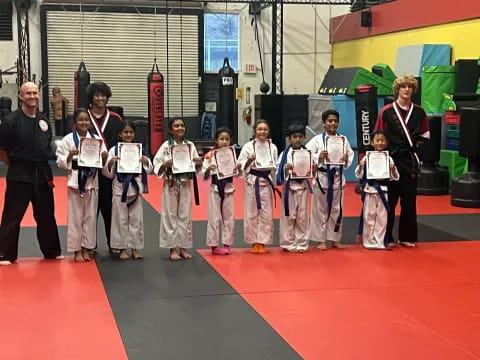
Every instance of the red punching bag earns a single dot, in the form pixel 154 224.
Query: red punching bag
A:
pixel 156 112
pixel 81 79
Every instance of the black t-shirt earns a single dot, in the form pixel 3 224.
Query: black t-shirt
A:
pixel 27 143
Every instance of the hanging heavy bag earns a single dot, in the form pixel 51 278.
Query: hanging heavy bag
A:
pixel 156 111
pixel 366 112
pixel 81 79
pixel 226 99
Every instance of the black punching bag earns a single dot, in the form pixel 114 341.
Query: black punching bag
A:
pixel 81 81
pixel 226 99
pixel 466 188
pixel 433 180
pixel 366 113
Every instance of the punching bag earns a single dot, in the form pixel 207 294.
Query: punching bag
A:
pixel 156 112
pixel 81 80
pixel 226 99
pixel 366 113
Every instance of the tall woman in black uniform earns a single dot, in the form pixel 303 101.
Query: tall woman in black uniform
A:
pixel 25 137
pixel 108 125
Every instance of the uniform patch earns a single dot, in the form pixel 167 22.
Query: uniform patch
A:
pixel 43 125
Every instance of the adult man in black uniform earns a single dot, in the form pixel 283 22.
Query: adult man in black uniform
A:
pixel 106 124
pixel 406 126
pixel 25 137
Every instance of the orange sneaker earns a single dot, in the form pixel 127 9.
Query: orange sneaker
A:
pixel 254 248
pixel 261 249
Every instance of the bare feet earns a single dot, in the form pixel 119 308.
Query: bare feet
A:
pixel 59 257
pixel 136 255
pixel 78 257
pixel 91 252
pixel 174 255
pixel 115 251
pixel 338 245
pixel 184 254
pixel 254 248
pixel 5 262
pixel 322 246
pixel 124 255
pixel 86 255
pixel 407 244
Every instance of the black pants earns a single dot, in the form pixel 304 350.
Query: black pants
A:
pixel 17 198
pixel 105 203
pixel 406 190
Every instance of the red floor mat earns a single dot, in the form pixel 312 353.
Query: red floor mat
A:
pixel 359 304
pixel 56 310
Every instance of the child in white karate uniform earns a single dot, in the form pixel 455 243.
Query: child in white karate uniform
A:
pixel 176 218
pixel 373 221
pixel 127 202
pixel 294 222
pixel 221 200
pixel 326 221
pixel 82 186
pixel 259 188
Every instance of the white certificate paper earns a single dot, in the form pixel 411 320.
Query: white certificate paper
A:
pixel 263 154
pixel 302 164
pixel 335 146
pixel 90 153
pixel 130 155
pixel 378 165
pixel 226 161
pixel 182 161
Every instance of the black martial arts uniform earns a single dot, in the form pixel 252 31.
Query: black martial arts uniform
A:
pixel 26 141
pixel 108 127
pixel 404 129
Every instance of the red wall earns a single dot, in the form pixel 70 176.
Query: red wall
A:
pixel 403 15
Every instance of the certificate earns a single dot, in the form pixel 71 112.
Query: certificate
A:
pixel 90 153
pixel 226 162
pixel 302 164
pixel 335 146
pixel 182 161
pixel 263 154
pixel 378 165
pixel 130 155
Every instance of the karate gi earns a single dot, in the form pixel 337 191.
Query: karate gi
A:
pixel 127 216
pixel 220 214
pixel 404 129
pixel 176 218
pixel 294 227
pixel 257 223
pixel 322 226
pixel 26 140
pixel 107 127
pixel 374 212
pixel 82 207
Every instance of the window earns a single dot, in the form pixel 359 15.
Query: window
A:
pixel 6 22
pixel 221 39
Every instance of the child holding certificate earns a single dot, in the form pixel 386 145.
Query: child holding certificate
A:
pixel 258 158
pixel 220 203
pixel 332 154
pixel 376 169
pixel 127 187
pixel 295 168
pixel 176 162
pixel 82 185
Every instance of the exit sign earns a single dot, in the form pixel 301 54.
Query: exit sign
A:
pixel 250 69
